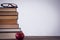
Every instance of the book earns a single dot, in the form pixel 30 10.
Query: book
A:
pixel 9 30
pixel 8 9
pixel 4 36
pixel 8 21
pixel 8 17
pixel 8 33
pixel 8 13
pixel 9 26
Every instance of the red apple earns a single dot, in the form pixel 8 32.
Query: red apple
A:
pixel 19 35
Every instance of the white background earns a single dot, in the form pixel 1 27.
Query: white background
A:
pixel 38 17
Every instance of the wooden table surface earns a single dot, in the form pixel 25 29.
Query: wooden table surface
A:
pixel 40 38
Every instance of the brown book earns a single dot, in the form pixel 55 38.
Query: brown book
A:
pixel 8 17
pixel 8 9
pixel 7 13
pixel 9 26
pixel 8 21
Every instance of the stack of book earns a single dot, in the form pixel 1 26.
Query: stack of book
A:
pixel 8 23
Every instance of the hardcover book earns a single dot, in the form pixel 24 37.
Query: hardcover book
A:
pixel 8 17
pixel 8 9
pixel 8 36
pixel 8 13
pixel 8 21
pixel 8 33
pixel 9 26
pixel 7 30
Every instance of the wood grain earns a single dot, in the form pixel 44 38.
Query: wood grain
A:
pixel 38 38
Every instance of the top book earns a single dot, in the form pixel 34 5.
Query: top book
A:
pixel 8 9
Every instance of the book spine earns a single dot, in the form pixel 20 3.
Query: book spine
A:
pixel 7 35
pixel 8 13
pixel 8 30
pixel 8 21
pixel 9 26
pixel 8 9
pixel 8 17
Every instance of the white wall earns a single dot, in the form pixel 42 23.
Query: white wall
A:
pixel 38 17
